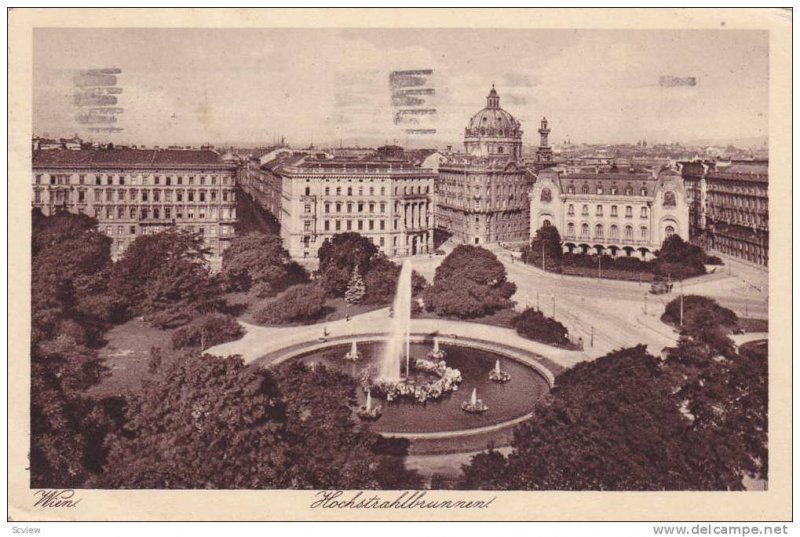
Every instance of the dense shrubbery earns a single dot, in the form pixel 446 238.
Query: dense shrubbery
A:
pixel 207 331
pixel 346 252
pixel 699 313
pixel 544 248
pixel 260 262
pixel 226 425
pixel 533 324
pixel 70 309
pixel 165 278
pixel 470 282
pixel 339 255
pixel 301 303
pixel 198 421
pixel 627 421
pixel 694 420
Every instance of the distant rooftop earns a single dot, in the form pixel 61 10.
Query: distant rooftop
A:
pixel 129 158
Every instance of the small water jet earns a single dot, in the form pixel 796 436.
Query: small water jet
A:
pixel 353 355
pixel 498 375
pixel 368 412
pixel 474 405
pixel 436 353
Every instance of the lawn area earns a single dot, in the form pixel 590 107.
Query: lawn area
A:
pixel 335 308
pixel 126 355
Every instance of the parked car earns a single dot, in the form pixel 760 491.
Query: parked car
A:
pixel 660 288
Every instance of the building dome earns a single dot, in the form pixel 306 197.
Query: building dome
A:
pixel 493 120
pixel 493 133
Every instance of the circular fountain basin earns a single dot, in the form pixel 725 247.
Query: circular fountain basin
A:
pixel 508 402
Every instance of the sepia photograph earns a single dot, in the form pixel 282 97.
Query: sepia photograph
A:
pixel 405 267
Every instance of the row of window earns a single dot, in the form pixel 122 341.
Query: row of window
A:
pixel 599 232
pixel 600 190
pixel 64 179
pixel 340 191
pixel 168 213
pixel 112 231
pixel 156 195
pixel 599 211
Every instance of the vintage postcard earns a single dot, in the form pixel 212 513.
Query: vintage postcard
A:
pixel 400 264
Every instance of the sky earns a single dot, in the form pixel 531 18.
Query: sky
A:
pixel 331 87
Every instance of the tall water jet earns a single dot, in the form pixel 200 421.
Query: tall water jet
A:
pixel 398 345
pixel 474 399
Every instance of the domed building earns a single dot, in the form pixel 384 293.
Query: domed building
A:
pixel 482 194
pixel 493 132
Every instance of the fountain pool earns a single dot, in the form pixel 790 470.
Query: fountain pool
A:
pixel 506 401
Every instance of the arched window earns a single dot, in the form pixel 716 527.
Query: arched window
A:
pixel 545 223
pixel 585 210
pixel 500 149
pixel 585 231
pixel 585 188
pixel 614 232
pixel 598 231
pixel 644 234
pixel 571 230
pixel 628 233
pixel 570 209
pixel 669 199
pixel 546 195
pixel 669 231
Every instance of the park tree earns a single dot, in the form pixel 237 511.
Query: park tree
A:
pixel 301 303
pixel 545 248
pixel 695 419
pixel 355 288
pixel 165 278
pixel 259 259
pixel 69 311
pixel 209 422
pixel 381 280
pixel 611 424
pixel 470 282
pixel 678 259
pixel 204 422
pixel 339 255
pixel 701 314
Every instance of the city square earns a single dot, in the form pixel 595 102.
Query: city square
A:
pixel 444 289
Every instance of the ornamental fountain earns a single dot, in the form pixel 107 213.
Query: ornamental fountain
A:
pixel 368 412
pixel 474 405
pixel 436 353
pixel 432 378
pixel 498 375
pixel 353 355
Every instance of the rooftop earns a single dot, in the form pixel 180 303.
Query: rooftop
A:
pixel 129 158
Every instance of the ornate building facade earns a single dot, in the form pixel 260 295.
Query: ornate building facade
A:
pixel 614 213
pixel 132 192
pixel 481 195
pixel 737 210
pixel 389 201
